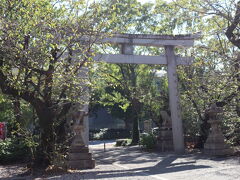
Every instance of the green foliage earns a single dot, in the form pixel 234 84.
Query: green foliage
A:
pixel 231 127
pixel 148 140
pixel 213 78
pixel 36 34
pixel 6 113
pixel 43 59
pixel 13 150
pixel 37 31
pixel 59 156
pixel 102 134
pixel 111 134
pixel 123 142
pixel 20 144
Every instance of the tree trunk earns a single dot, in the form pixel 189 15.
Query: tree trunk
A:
pixel 135 130
pixel 204 131
pixel 17 110
pixel 61 122
pixel 46 146
pixel 128 124
pixel 237 70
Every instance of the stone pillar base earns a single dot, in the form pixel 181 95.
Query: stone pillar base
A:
pixel 218 152
pixel 216 146
pixel 165 140
pixel 80 158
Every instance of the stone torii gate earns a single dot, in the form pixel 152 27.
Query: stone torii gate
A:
pixel 127 43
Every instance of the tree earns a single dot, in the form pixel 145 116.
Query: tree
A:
pixel 132 87
pixel 213 78
pixel 38 61
pixel 126 86
pixel 127 16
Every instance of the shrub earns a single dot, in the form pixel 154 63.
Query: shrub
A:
pixel 102 134
pixel 13 150
pixel 155 131
pixel 148 140
pixel 20 146
pixel 105 133
pixel 123 142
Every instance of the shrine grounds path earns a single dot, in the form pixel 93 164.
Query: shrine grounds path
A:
pixel 132 163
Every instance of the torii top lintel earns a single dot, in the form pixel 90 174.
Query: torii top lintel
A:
pixel 151 40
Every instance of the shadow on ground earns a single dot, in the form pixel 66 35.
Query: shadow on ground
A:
pixel 166 165
pixel 158 163
pixel 132 162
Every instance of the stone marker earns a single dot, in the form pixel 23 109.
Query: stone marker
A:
pixel 79 155
pixel 215 144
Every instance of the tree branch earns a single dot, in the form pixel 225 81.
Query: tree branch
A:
pixel 9 90
pixel 235 40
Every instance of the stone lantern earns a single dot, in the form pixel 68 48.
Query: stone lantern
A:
pixel 215 143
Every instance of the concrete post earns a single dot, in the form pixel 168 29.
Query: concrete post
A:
pixel 177 128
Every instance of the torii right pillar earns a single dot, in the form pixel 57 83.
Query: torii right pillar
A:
pixel 177 125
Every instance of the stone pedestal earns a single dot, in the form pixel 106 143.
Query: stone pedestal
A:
pixel 215 144
pixel 165 136
pixel 79 155
pixel 80 158
pixel 165 140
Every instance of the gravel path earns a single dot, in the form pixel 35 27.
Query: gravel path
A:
pixel 131 163
pixel 8 171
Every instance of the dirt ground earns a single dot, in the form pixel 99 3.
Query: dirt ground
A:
pixel 121 163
